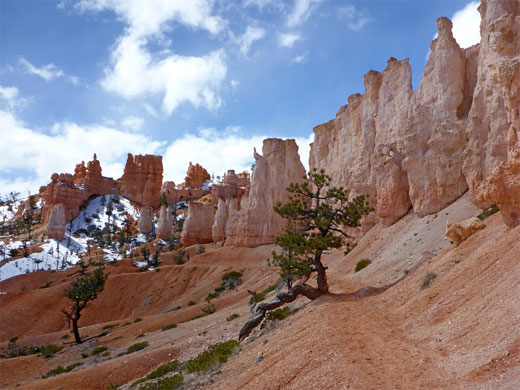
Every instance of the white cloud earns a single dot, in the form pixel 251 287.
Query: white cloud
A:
pixel 466 25
pixel 47 72
pixel 301 11
pixel 356 20
pixel 301 59
pixel 246 40
pixel 288 39
pixel 136 72
pixel 38 155
pixel 150 110
pixel 218 152
pixel 132 123
pixel 9 95
pixel 150 20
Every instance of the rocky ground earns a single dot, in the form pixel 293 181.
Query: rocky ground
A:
pixel 460 332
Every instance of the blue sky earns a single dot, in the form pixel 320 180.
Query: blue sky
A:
pixel 193 80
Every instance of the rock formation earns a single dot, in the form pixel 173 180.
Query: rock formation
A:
pixel 459 232
pixel 74 191
pixel 426 148
pixel 494 119
pixel 219 225
pixel 255 223
pixel 57 224
pixel 196 176
pixel 142 180
pixel 165 224
pixel 197 228
pixel 435 138
pixel 146 220
pixel 502 188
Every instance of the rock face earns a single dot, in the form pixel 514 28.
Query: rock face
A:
pixel 145 224
pixel 218 230
pixel 142 180
pixel 494 122
pixel 74 190
pixel 197 228
pixel 435 139
pixel 502 188
pixel 426 148
pixel 459 232
pixel 196 176
pixel 254 222
pixel 57 224
pixel 165 223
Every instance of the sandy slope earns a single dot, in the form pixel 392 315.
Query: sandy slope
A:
pixel 460 333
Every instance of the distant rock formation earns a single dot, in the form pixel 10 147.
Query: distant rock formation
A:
pixel 196 186
pixel 502 187
pixel 197 228
pixel 426 148
pixel 165 224
pixel 146 220
pixel 196 176
pixel 74 190
pixel 142 180
pixel 459 232
pixel 255 223
pixel 57 224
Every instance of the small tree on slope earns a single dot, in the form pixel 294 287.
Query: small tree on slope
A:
pixel 82 291
pixel 316 216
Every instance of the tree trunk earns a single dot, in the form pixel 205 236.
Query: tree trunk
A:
pixel 323 286
pixel 76 331
pixel 280 300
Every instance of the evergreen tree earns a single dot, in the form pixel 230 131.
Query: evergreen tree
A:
pixel 82 291
pixel 316 217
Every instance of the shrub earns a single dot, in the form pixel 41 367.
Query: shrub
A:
pixel 201 250
pixel 105 354
pixel 262 294
pixel 488 212
pixel 233 275
pixel 84 355
pixel 49 350
pixel 140 335
pixel 232 317
pixel 211 296
pixel 110 326
pixel 127 323
pixel 136 347
pixel 363 263
pixel 114 386
pixel 60 370
pixel 163 370
pixel 427 280
pixel 214 355
pixel 138 319
pixel 98 350
pixel 171 383
pixel 276 315
pixel 14 252
pixel 167 327
pixel 191 303
pixel 47 285
pixel 209 309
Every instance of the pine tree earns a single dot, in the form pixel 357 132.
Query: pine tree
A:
pixel 316 217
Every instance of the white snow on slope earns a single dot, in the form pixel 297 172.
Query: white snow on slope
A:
pixel 48 259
